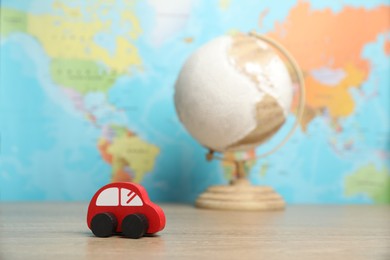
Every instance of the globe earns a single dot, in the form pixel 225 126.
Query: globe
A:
pixel 233 94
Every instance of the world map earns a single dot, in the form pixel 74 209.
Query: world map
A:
pixel 87 98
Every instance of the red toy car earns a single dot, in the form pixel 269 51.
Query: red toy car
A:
pixel 124 207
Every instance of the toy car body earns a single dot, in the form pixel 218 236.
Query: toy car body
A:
pixel 124 207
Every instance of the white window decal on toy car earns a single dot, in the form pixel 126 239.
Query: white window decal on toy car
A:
pixel 108 197
pixel 129 198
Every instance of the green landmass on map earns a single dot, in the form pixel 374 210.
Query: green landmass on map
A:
pixel 370 181
pixel 81 75
pixel 12 21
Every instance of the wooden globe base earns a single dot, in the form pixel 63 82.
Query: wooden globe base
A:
pixel 240 195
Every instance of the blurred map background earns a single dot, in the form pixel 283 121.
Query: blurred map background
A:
pixel 86 97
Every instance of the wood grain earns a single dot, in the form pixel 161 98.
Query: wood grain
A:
pixel 58 231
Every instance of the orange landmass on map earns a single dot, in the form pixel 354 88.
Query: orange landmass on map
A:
pixel 103 146
pixel 118 174
pixel 131 157
pixel 336 99
pixel 387 47
pixel 334 40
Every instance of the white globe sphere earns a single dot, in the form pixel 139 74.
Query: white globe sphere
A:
pixel 233 93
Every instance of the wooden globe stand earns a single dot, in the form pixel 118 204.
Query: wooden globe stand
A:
pixel 240 195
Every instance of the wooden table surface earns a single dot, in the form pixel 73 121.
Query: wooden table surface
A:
pixel 59 231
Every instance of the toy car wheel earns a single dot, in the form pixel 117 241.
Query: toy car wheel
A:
pixel 135 225
pixel 104 224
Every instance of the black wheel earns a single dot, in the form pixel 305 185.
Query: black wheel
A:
pixel 135 225
pixel 103 224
